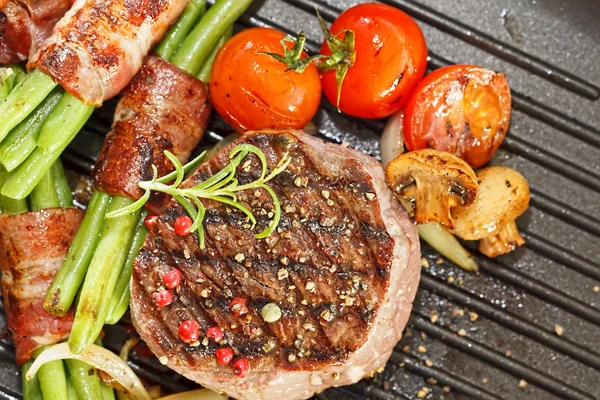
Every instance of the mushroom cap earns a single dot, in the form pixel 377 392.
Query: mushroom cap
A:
pixel 503 195
pixel 435 181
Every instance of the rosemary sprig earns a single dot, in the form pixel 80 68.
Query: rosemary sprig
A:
pixel 221 187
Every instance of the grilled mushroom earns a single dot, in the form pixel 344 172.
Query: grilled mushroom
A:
pixel 434 182
pixel 503 196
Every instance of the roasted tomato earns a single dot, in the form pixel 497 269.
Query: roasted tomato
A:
pixel 390 59
pixel 252 90
pixel 460 109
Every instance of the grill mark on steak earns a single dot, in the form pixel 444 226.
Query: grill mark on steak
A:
pixel 307 244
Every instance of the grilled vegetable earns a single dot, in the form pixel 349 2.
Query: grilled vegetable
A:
pixel 461 109
pixel 253 90
pixel 434 182
pixel 377 56
pixel 392 139
pixel 503 196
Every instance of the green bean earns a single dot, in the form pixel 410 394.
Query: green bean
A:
pixel 23 99
pixel 120 298
pixel 31 172
pixel 197 47
pixel 102 275
pixel 67 118
pixel 72 391
pixel 204 74
pixel 44 194
pixel 22 140
pixel 61 184
pixel 7 81
pixel 84 378
pixel 68 279
pixel 8 205
pixel 53 380
pixel 20 73
pixel 31 387
pixel 175 36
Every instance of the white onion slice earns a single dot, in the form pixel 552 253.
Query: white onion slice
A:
pixel 100 358
pixel 392 138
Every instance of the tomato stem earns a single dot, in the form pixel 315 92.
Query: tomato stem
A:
pixel 342 55
pixel 293 57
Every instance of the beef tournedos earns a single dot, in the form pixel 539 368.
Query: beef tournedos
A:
pixel 343 268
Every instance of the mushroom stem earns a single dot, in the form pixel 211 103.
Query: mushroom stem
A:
pixel 503 242
pixel 433 202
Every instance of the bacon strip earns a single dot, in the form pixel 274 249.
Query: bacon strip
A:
pixel 32 248
pixel 99 45
pixel 24 25
pixel 164 108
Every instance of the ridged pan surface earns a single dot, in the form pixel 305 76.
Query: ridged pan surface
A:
pixel 494 335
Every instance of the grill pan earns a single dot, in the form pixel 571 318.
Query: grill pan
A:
pixel 528 326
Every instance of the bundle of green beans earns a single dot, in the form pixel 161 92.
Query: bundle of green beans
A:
pixel 53 381
pixel 184 47
pixel 99 263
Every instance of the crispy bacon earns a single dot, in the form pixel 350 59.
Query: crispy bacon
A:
pixel 32 248
pixel 99 45
pixel 25 24
pixel 164 108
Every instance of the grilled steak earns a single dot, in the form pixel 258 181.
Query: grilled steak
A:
pixel 99 45
pixel 24 25
pixel 32 248
pixel 342 266
pixel 164 108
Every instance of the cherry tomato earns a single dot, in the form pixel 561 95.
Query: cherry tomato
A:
pixel 254 91
pixel 460 109
pixel 391 58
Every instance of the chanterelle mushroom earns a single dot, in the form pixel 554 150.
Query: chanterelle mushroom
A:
pixel 434 181
pixel 503 195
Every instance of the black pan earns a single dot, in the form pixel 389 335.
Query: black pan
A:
pixel 496 335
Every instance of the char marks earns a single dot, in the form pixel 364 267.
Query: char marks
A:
pixel 326 266
pixel 104 43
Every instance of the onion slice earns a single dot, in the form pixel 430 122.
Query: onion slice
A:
pixel 100 358
pixel 392 138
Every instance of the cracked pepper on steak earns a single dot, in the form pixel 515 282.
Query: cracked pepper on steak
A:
pixel 343 266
